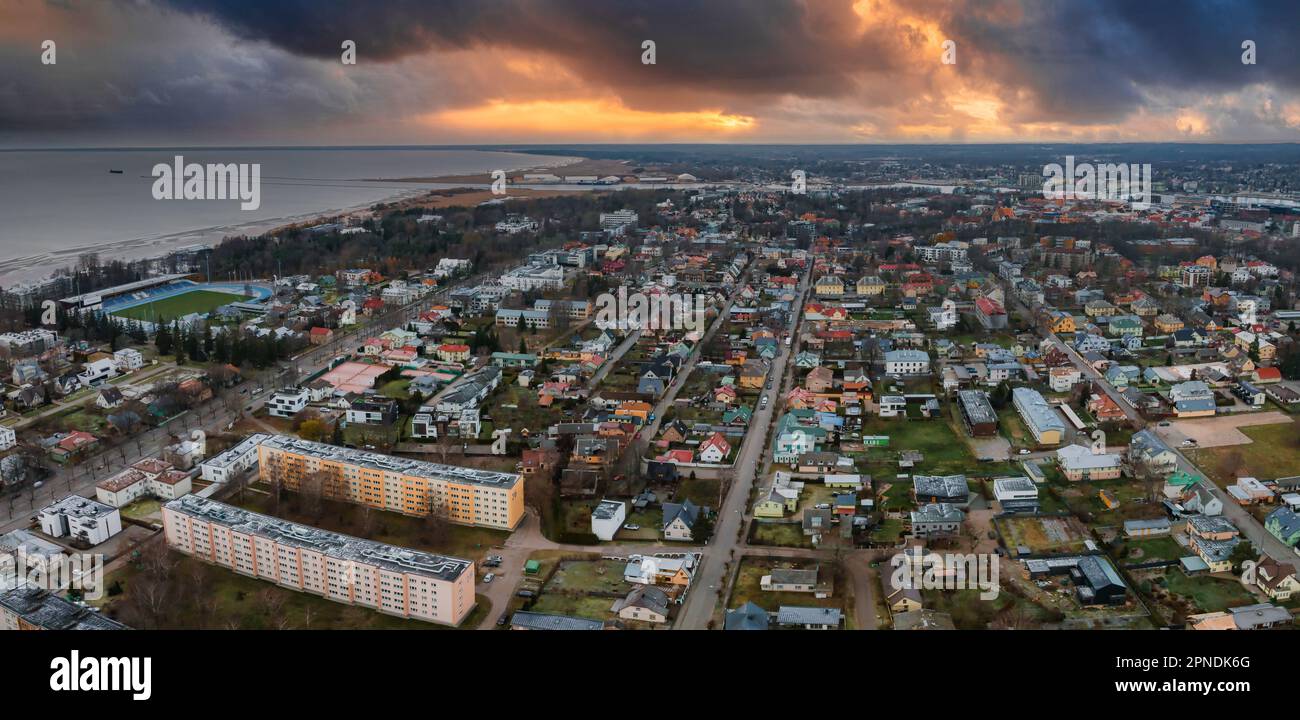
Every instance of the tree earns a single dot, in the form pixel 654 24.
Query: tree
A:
pixel 703 528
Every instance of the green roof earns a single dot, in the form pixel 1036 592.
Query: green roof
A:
pixel 1181 478
pixel 532 566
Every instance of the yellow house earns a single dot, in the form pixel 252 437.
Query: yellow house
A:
pixel 635 408
pixel 870 285
pixel 1062 322
pixel 779 502
pixel 1168 323
pixel 830 286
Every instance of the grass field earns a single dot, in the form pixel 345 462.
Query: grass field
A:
pixel 170 308
pixel 1274 452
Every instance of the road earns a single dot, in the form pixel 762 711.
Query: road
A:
pixel 729 528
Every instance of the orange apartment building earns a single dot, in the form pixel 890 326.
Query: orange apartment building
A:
pixel 468 496
pixel 397 581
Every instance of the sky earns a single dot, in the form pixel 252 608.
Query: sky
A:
pixel 226 72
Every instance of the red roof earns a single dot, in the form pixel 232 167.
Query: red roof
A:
pixel 1268 373
pixel 454 348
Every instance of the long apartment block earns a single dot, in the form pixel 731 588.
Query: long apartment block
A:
pixel 412 487
pixel 393 580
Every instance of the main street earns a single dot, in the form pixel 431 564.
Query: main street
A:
pixel 729 528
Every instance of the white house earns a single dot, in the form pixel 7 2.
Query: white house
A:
pixel 93 373
pixel 287 402
pixel 81 518
pixel 8 438
pixel 607 517
pixel 128 359
pixel 907 362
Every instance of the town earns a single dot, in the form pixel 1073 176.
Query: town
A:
pixel 452 415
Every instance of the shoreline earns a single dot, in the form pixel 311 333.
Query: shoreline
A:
pixel 37 268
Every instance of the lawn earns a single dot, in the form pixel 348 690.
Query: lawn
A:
pixel 701 491
pixel 1274 453
pixel 176 306
pixel 943 450
pixel 1135 551
pixel 747 587
pixel 1205 592
pixel 779 534
pixel 971 612
pixel 588 576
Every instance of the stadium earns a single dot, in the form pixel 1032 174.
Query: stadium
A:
pixel 170 297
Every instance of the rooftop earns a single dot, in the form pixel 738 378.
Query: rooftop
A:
pixel 389 463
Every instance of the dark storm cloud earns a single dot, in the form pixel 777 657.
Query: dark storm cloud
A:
pixel 1091 60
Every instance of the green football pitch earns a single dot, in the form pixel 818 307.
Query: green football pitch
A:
pixel 170 308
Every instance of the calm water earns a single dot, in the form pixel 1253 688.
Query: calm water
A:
pixel 55 205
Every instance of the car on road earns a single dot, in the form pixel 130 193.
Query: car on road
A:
pixel 763 402
pixel 38 483
pixel 505 618
pixel 1023 451
pixel 631 526
pixel 1164 423
pixel 489 578
pixel 823 506
pixel 1189 441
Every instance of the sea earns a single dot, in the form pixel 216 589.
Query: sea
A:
pixel 58 204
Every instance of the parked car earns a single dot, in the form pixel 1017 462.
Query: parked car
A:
pixel 1024 451
pixel 504 619
pixel 631 526
pixel 526 594
pixel 489 578
pixel 823 506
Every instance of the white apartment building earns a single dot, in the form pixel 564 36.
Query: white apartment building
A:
pixel 80 518
pixel 526 278
pixel 8 438
pixel 516 224
pixel 618 219
pixel 233 461
pixel 288 402
pixel 389 579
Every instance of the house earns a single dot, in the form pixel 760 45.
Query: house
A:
pixel 907 362
pixel 1147 451
pixel 900 595
pixel 796 580
pixel 109 397
pixel 1147 528
pixel 1276 579
pixel 71 445
pixel 937 520
pixel 943 489
pixel 747 617
pixel 287 402
pixel 1016 494
pixel 607 517
pixel 452 352
pixel 1284 524
pixel 320 336
pixel 646 603
pixel 809 618
pixel 1248 617
pixel 654 570
pixel 679 520
pixel 1192 398
pixel 1081 463
pixel 372 411
pixel 714 449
